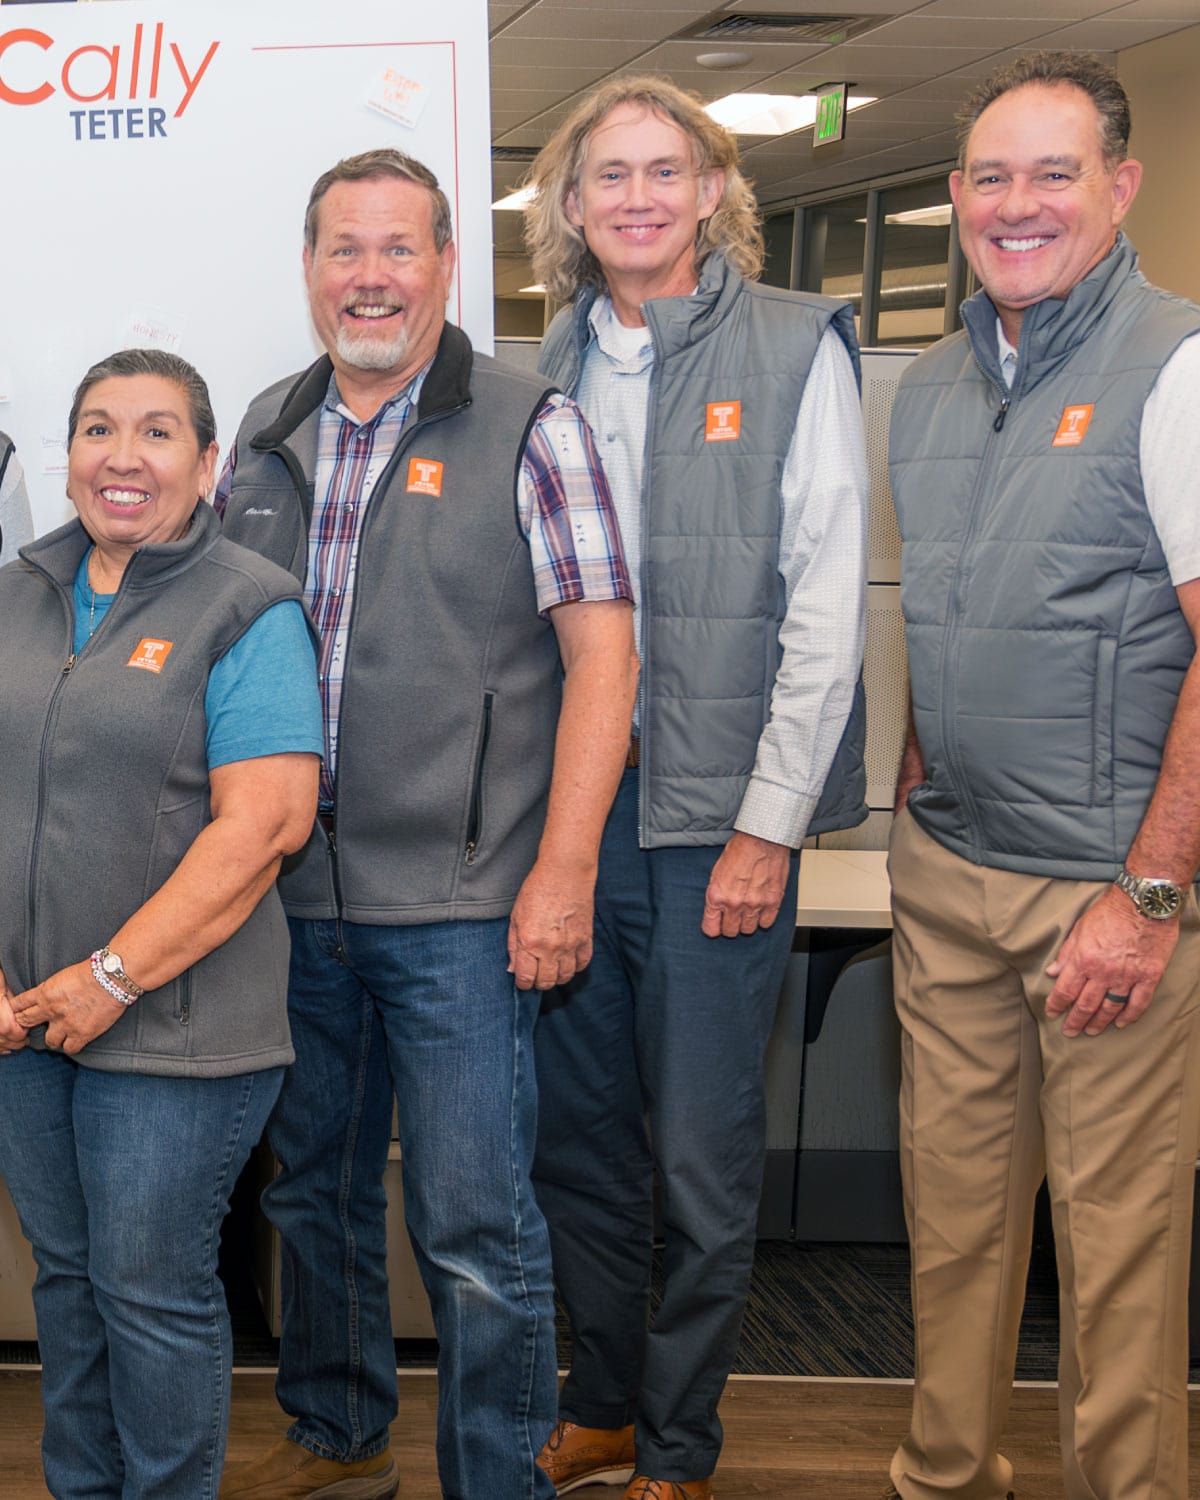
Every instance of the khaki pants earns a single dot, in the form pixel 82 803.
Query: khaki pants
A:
pixel 993 1096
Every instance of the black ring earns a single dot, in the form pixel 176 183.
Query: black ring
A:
pixel 1116 999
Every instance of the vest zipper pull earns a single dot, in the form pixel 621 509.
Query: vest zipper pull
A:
pixel 69 663
pixel 1001 414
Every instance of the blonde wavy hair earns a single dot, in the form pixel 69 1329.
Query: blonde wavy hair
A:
pixel 562 262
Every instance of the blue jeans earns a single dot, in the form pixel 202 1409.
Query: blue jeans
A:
pixel 665 1028
pixel 430 1012
pixel 121 1182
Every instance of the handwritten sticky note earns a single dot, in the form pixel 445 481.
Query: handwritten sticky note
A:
pixel 394 94
pixel 149 329
pixel 54 452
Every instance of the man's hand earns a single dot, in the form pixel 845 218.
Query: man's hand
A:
pixel 911 771
pixel 76 1009
pixel 12 1033
pixel 550 931
pixel 746 886
pixel 1110 950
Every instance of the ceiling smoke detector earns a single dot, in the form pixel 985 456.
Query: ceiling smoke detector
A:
pixel 724 59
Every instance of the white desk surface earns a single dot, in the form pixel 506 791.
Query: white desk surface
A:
pixel 844 888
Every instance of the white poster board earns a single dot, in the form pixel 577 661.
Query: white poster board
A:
pixel 157 162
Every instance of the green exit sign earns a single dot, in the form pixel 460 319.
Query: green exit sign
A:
pixel 831 115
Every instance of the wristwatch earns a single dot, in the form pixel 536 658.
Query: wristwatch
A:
pixel 1159 900
pixel 111 964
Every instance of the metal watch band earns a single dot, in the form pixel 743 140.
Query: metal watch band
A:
pixel 111 963
pixel 113 969
pixel 110 985
pixel 1142 890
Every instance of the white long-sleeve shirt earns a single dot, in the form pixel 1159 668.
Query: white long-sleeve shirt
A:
pixel 1169 450
pixel 822 557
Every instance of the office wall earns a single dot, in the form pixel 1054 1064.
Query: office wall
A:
pixel 157 159
pixel 1164 223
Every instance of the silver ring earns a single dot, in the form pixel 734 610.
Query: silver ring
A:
pixel 1116 999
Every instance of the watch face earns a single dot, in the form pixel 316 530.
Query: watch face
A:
pixel 1160 899
pixel 110 963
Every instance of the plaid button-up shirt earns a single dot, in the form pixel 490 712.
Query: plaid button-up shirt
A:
pixel 563 504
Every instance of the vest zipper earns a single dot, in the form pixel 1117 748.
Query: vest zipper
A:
pixel 403 443
pixel 51 715
pixel 475 818
pixel 955 621
pixel 335 877
pixel 642 696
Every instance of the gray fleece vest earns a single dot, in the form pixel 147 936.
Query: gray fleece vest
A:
pixel 712 595
pixel 452 682
pixel 1046 644
pixel 105 788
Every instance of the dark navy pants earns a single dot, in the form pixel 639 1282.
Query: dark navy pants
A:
pixel 653 1059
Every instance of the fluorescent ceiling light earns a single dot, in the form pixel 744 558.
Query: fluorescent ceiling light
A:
pixel 772 114
pixel 540 290
pixel 515 201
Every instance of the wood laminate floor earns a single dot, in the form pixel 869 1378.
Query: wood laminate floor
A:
pixel 785 1438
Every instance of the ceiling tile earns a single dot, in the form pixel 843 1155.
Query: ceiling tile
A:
pixel 851 61
pixel 674 13
pixel 546 80
pixel 905 111
pixel 1158 10
pixel 958 31
pixel 543 52
pixel 1113 36
pixel 584 24
pixel 1070 10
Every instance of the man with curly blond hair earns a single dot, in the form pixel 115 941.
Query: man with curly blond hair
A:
pixel 727 417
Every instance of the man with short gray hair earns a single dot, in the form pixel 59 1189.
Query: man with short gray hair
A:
pixel 461 561
pixel 1045 463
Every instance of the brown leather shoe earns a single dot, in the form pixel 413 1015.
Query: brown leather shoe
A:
pixel 289 1472
pixel 642 1488
pixel 575 1456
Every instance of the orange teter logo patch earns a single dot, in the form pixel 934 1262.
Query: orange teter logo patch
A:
pixel 424 477
pixel 722 421
pixel 150 654
pixel 1074 424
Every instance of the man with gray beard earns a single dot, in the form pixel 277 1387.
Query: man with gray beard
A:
pixel 462 563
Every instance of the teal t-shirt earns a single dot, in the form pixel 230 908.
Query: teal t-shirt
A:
pixel 262 695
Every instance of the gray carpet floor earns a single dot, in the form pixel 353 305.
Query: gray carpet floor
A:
pixel 820 1310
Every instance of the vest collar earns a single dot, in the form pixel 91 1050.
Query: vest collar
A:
pixel 447 386
pixel 675 323
pixel 1053 328
pixel 59 553
pixel 679 322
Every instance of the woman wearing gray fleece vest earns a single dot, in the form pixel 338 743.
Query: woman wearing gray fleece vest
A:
pixel 154 776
